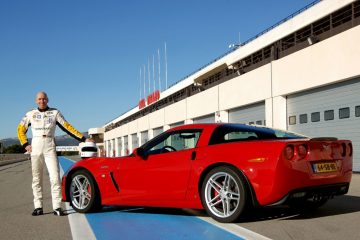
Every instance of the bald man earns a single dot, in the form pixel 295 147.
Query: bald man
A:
pixel 43 121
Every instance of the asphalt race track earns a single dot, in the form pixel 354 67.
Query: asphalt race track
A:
pixel 338 219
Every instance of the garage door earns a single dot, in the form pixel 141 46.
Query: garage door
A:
pixel 119 146
pixel 126 145
pixel 176 124
pixel 134 141
pixel 157 131
pixel 251 114
pixel 205 119
pixel 144 137
pixel 331 111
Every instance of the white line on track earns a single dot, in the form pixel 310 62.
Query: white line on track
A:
pixel 79 225
pixel 230 227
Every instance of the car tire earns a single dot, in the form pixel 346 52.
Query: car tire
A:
pixel 83 192
pixel 223 194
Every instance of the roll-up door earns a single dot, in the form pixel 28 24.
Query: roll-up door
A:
pixel 157 131
pixel 330 111
pixel 134 141
pixel 176 124
pixel 126 145
pixel 108 149
pixel 112 151
pixel 144 137
pixel 250 114
pixel 119 146
pixel 205 119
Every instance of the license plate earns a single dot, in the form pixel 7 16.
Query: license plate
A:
pixel 325 167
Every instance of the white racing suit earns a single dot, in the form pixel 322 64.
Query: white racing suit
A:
pixel 43 124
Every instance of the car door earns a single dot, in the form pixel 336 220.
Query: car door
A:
pixel 162 174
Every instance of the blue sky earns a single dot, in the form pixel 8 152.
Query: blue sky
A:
pixel 87 55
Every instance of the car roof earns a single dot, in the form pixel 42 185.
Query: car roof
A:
pixel 214 125
pixel 196 125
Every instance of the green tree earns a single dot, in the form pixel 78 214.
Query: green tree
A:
pixel 16 148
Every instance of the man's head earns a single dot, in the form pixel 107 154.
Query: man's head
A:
pixel 42 100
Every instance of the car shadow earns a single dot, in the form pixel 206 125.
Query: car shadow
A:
pixel 145 210
pixel 337 206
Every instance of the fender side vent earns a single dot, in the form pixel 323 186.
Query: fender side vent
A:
pixel 114 182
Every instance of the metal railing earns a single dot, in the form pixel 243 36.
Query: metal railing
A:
pixel 13 158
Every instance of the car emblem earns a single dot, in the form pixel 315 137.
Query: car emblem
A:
pixel 326 148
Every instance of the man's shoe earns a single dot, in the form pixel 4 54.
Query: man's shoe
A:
pixel 59 212
pixel 37 212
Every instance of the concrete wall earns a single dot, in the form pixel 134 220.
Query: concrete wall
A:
pixel 329 61
pixel 332 60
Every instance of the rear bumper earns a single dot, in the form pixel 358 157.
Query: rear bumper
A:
pixel 313 193
pixel 290 177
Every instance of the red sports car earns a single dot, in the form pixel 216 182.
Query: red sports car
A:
pixel 223 168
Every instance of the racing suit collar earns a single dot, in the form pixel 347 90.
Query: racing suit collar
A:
pixel 43 110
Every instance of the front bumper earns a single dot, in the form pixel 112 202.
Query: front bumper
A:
pixel 63 189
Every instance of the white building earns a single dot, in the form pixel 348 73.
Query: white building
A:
pixel 302 75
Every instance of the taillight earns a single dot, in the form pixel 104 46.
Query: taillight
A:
pixel 289 152
pixel 350 149
pixel 302 150
pixel 343 149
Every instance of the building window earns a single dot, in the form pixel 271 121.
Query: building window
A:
pixel 315 116
pixel 329 115
pixel 292 120
pixel 259 122
pixel 344 113
pixel 357 111
pixel 251 123
pixel 303 118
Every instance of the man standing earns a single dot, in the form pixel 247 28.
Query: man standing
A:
pixel 43 121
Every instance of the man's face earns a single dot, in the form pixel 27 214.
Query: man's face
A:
pixel 41 100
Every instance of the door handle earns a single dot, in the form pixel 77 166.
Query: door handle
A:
pixel 193 155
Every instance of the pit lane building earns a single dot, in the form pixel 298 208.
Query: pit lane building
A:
pixel 302 74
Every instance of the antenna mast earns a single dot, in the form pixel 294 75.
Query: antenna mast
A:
pixel 166 84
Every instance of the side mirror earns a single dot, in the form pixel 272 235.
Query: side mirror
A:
pixel 140 152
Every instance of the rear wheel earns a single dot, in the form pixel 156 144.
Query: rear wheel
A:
pixel 223 194
pixel 83 192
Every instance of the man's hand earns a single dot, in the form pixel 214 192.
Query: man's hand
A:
pixel 28 149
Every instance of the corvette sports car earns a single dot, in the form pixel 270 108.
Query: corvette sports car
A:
pixel 225 169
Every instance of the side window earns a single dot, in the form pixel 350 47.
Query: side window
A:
pixel 357 111
pixel 315 117
pixel 344 113
pixel 303 118
pixel 292 120
pixel 239 136
pixel 174 141
pixel 329 115
pixel 242 133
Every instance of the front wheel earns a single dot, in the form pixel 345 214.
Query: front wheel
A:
pixel 83 192
pixel 223 194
